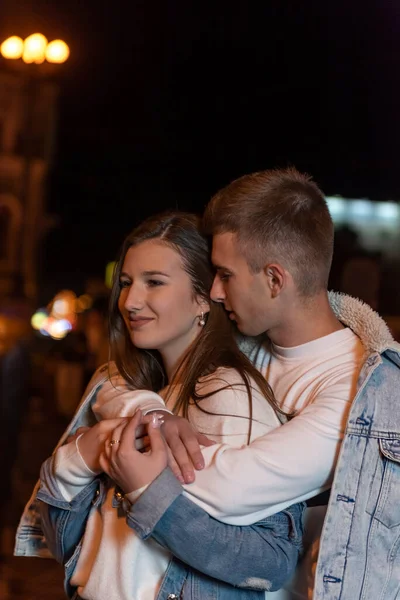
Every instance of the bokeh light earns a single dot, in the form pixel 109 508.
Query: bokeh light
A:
pixel 39 319
pixel 57 52
pixel 12 48
pixel 34 48
pixel 59 328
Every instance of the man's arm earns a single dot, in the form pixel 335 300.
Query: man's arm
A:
pixel 292 463
pixel 262 556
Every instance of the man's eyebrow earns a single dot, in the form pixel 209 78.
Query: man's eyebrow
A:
pixel 219 268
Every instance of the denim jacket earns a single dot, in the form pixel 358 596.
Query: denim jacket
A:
pixel 359 554
pixel 52 526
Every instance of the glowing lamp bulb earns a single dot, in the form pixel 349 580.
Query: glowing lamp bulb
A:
pixel 34 48
pixel 12 47
pixel 57 52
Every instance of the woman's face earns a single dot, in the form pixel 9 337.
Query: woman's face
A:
pixel 157 301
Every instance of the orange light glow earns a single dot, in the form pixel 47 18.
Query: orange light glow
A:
pixel 34 48
pixel 57 52
pixel 12 47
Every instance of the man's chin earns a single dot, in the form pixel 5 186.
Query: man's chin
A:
pixel 248 331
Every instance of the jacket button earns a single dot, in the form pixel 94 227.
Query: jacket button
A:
pixel 172 597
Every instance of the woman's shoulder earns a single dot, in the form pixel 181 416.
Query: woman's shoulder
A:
pixel 223 377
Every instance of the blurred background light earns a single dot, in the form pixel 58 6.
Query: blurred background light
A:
pixel 57 51
pixel 38 319
pixel 34 48
pixel 387 211
pixel 361 208
pixel 110 274
pixel 12 47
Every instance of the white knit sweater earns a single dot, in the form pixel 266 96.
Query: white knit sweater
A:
pixel 114 563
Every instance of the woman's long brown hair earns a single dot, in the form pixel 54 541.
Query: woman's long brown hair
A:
pixel 215 347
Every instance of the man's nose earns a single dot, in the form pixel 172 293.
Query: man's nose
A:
pixel 217 291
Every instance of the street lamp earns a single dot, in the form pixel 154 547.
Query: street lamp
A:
pixel 35 59
pixel 35 49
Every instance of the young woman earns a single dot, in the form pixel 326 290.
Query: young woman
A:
pixel 169 339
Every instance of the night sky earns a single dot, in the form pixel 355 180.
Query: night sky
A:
pixel 162 103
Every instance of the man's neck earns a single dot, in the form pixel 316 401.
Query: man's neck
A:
pixel 305 321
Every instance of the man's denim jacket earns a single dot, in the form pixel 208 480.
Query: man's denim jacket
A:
pixel 360 546
pixel 278 536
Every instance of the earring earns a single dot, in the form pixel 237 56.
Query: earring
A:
pixel 202 320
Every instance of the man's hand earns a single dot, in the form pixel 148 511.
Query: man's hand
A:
pixel 183 441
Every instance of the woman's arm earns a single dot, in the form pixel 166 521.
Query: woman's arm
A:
pixel 63 521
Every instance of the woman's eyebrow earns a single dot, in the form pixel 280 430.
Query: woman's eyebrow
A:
pixel 147 273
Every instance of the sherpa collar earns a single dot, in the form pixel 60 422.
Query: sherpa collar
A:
pixel 364 321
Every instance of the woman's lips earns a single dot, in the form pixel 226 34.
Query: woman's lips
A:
pixel 138 323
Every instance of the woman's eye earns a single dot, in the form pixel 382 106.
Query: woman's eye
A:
pixel 124 283
pixel 154 282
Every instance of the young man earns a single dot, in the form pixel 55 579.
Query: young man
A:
pixel 272 249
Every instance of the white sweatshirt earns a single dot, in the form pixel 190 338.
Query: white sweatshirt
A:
pixel 296 461
pixel 114 563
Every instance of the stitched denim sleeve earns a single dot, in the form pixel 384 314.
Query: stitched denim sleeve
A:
pixel 64 522
pixel 261 556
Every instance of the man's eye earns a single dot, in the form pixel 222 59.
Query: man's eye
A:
pixel 224 276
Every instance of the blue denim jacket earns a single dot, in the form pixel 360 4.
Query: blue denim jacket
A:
pixel 51 526
pixel 360 546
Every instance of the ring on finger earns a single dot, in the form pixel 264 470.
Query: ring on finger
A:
pixel 112 442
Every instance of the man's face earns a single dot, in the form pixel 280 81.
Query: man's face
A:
pixel 245 295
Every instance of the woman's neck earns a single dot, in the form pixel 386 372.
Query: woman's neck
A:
pixel 173 364
pixel 173 357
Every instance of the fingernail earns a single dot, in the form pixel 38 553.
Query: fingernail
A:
pixel 180 479
pixel 189 478
pixel 155 421
pixel 199 466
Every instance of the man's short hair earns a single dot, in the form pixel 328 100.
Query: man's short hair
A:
pixel 279 216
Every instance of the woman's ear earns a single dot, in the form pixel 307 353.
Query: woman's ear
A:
pixel 204 305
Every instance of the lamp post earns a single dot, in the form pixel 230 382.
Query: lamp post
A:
pixel 34 58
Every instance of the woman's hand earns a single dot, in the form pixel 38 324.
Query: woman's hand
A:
pixel 91 444
pixel 129 468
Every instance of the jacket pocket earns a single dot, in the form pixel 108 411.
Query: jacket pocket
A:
pixel 383 501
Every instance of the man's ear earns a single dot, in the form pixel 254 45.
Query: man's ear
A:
pixel 276 277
